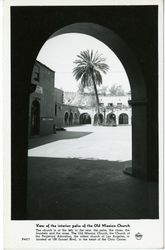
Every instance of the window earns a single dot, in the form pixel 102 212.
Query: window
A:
pixel 119 104
pixel 36 76
pixel 36 73
pixel 101 104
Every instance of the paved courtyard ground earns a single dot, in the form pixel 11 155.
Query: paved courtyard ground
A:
pixel 78 174
pixel 92 142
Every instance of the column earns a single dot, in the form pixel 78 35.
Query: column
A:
pixel 139 139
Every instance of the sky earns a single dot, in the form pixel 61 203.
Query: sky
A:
pixel 60 52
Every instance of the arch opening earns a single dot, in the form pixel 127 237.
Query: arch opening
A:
pixel 111 119
pixel 123 118
pixel 85 118
pixel 137 84
pixel 101 118
pixel 66 116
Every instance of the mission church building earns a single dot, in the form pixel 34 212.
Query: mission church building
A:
pixel 114 110
pixel 52 109
pixel 41 108
pixel 47 112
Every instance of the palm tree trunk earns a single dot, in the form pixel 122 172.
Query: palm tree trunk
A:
pixel 97 100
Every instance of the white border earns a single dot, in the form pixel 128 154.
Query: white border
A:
pixel 81 2
pixel 1 143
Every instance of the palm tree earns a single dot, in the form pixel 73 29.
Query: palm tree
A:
pixel 89 66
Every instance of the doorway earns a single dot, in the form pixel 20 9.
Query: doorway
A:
pixel 35 118
pixel 123 119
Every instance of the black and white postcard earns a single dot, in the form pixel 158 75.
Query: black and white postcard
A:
pixel 83 116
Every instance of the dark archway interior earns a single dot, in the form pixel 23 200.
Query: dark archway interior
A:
pixel 123 119
pixel 35 118
pixel 31 27
pixel 85 118
pixel 66 117
pixel 111 119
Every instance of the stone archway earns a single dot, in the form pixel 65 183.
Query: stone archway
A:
pixel 137 84
pixel 145 118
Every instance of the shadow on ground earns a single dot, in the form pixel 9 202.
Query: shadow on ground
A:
pixel 60 135
pixel 87 189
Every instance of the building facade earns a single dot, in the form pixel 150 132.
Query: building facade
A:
pixel 114 110
pixel 47 112
pixel 41 110
pixel 64 115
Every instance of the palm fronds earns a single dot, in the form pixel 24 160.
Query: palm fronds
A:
pixel 89 64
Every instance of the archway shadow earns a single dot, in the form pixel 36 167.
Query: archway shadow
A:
pixel 60 135
pixel 87 189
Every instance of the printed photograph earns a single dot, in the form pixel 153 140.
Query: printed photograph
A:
pixel 84 112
